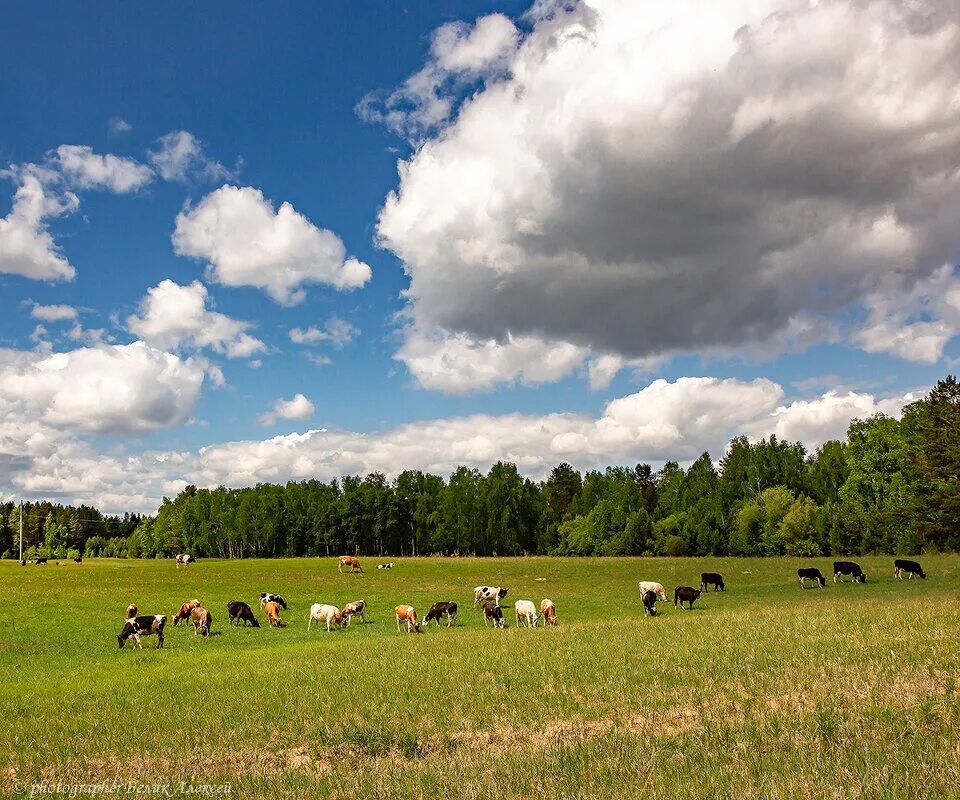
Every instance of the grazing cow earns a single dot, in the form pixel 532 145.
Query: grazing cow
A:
pixel 201 619
pixel 385 566
pixel 349 561
pixel 184 613
pixel 912 568
pixel 239 611
pixel 493 614
pixel 526 613
pixel 135 627
pixel 548 611
pixel 267 597
pixel 407 615
pixel 78 559
pixel 810 574
pixel 483 594
pixel 358 608
pixel 132 611
pixel 272 610
pixel 850 568
pixel 653 586
pixel 649 600
pixel 183 559
pixel 40 561
pixel 685 594
pixel 445 609
pixel 714 579
pixel 322 612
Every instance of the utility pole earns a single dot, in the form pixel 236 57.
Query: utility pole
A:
pixel 21 530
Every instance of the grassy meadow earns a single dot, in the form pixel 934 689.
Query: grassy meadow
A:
pixel 762 691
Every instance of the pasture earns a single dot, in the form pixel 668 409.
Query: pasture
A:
pixel 763 691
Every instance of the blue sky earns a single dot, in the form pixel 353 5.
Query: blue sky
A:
pixel 620 232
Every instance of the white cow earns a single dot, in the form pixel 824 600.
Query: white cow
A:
pixel 526 611
pixel 653 586
pixel 322 612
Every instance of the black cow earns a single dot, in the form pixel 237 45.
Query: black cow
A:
pixel 494 614
pixel 811 574
pixel 267 597
pixel 78 559
pixel 40 561
pixel 685 594
pixel 446 609
pixel 135 627
pixel 850 568
pixel 237 610
pixel 649 600
pixel 912 568
pixel 714 579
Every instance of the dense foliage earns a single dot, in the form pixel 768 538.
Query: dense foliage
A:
pixel 890 488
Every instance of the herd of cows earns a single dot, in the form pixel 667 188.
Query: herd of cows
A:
pixel 487 598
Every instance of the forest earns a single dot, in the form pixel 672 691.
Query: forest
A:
pixel 890 487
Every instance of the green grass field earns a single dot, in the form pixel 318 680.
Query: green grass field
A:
pixel 763 691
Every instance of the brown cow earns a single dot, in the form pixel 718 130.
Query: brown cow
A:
pixel 201 619
pixel 349 561
pixel 408 615
pixel 548 611
pixel 184 613
pixel 272 610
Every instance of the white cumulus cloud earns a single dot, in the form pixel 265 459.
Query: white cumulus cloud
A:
pixel 298 407
pixel 53 313
pixel 83 168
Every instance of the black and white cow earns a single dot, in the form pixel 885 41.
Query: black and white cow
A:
pixel 78 559
pixel 135 627
pixel 184 558
pixel 268 597
pixel 238 611
pixel 385 566
pixel 40 561
pixel 811 574
pixel 912 568
pixel 493 614
pixel 483 594
pixel 685 594
pixel 649 599
pixel 851 568
pixel 445 609
pixel 714 579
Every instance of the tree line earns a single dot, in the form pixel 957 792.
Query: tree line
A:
pixel 890 487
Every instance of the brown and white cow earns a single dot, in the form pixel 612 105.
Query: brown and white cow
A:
pixel 349 561
pixel 548 611
pixel 323 612
pixel 131 611
pixel 407 615
pixel 445 609
pixel 272 610
pixel 358 608
pixel 184 613
pixel 493 614
pixel 201 619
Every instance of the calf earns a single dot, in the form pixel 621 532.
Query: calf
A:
pixel 548 611
pixel 810 574
pixel 135 627
pixel 131 610
pixel 848 568
pixel 349 561
pixel 322 612
pixel 201 619
pixel 183 559
pixel 649 600
pixel 407 615
pixel 714 579
pixel 526 612
pixel 239 611
pixel 685 594
pixel 445 609
pixel 912 568
pixel 356 608
pixel 653 586
pixel 385 566
pixel 267 597
pixel 184 613
pixel 272 610
pixel 483 594
pixel 493 614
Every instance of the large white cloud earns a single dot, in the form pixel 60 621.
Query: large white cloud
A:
pixel 247 243
pixel 172 316
pixel 83 168
pixel 644 178
pixel 26 246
